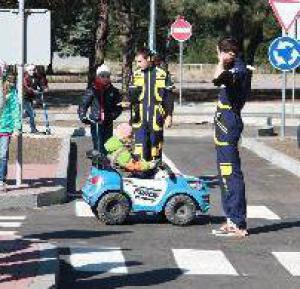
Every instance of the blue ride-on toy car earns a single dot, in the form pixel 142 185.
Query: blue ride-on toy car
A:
pixel 112 196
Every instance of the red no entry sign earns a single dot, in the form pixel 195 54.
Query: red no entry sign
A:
pixel 181 30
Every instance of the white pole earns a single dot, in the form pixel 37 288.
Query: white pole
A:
pixel 284 73
pixel 19 162
pixel 152 32
pixel 293 93
pixel 181 72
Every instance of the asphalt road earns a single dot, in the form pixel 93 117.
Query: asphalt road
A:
pixel 147 252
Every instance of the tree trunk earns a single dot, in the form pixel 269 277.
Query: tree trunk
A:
pixel 124 14
pixel 92 71
pixel 101 33
pixel 237 29
pixel 255 40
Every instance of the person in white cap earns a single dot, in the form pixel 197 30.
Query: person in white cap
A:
pixel 104 101
pixel 30 93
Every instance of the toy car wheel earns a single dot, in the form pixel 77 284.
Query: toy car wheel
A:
pixel 180 210
pixel 113 209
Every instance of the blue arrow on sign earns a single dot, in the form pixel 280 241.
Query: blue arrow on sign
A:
pixel 284 53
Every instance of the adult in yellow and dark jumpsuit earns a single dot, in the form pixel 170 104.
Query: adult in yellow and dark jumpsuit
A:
pixel 235 82
pixel 151 107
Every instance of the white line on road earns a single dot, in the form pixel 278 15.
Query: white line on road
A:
pixel 98 260
pixel 10 224
pixel 82 209
pixel 171 164
pixel 290 261
pixel 198 262
pixel 8 233
pixel 261 212
pixel 15 218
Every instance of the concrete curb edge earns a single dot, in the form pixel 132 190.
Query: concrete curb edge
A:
pixel 275 157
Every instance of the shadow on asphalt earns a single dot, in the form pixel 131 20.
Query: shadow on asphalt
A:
pixel 274 227
pixel 22 263
pixel 74 234
pixel 147 278
pixel 82 272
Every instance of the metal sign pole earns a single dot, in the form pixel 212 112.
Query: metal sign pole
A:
pixel 152 32
pixel 19 163
pixel 284 73
pixel 181 72
pixel 296 31
pixel 284 82
pixel 293 93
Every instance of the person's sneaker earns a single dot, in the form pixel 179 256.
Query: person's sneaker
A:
pixel 3 188
pixel 34 131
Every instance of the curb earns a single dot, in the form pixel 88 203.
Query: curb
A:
pixel 277 158
pixel 43 196
pixel 48 271
pixel 192 117
pixel 59 195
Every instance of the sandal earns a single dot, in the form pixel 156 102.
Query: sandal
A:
pixel 229 229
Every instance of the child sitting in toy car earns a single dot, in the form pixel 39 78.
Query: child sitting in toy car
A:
pixel 118 149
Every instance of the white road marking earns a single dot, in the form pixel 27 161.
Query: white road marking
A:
pixel 10 224
pixel 15 218
pixel 261 212
pixel 82 209
pixel 171 164
pixel 98 260
pixel 199 262
pixel 290 261
pixel 8 233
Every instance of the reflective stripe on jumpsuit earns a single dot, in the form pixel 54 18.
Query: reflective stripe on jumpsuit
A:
pixel 228 129
pixel 148 114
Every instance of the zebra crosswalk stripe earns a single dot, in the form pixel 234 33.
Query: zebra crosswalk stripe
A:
pixel 189 261
pixel 8 233
pixel 290 261
pixel 12 218
pixel 82 209
pixel 98 260
pixel 261 212
pixel 203 262
pixel 10 224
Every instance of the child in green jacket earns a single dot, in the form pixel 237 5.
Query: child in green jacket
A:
pixel 10 121
pixel 118 149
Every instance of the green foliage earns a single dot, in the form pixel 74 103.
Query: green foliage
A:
pixel 252 22
pixel 201 51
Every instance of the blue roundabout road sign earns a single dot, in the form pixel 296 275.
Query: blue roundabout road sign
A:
pixel 284 53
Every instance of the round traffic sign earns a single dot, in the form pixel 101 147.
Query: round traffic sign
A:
pixel 181 30
pixel 284 53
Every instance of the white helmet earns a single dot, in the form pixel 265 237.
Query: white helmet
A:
pixel 30 69
pixel 102 69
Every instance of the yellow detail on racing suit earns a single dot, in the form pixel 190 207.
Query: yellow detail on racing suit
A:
pixel 151 102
